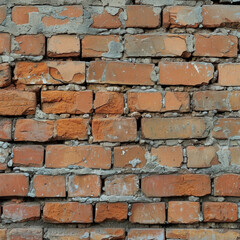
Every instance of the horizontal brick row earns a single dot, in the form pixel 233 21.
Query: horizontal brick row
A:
pixel 119 185
pixel 111 46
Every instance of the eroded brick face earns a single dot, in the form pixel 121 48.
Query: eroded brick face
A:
pixel 119 119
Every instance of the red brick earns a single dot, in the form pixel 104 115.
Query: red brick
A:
pixel 228 74
pixel 135 17
pixel 216 100
pixel 5 129
pixel 106 20
pixel 173 128
pixel 50 72
pixel 5 75
pixel 98 46
pixel 33 233
pixel 176 101
pixel 220 16
pixel 73 102
pixel 109 103
pixel 114 129
pixel 227 185
pixel 124 73
pixel 31 45
pixel 234 155
pixel 145 45
pixel 33 130
pixel 148 213
pixel 198 234
pixel 143 233
pixel 49 186
pixel 215 45
pixel 63 46
pixel 176 185
pixel 89 156
pixel 132 156
pixel 20 14
pixel 5 43
pixel 111 211
pixel 202 157
pixel 72 128
pixel 84 186
pixel 121 185
pixel 185 73
pixel 182 16
pixel 14 102
pixel 169 156
pixel 3 13
pixel 183 212
pixel 13 185
pixel 21 212
pixel 69 212
pixel 107 233
pixel 28 155
pixel 220 212
pixel 225 128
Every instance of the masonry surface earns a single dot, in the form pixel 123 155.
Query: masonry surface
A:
pixel 119 119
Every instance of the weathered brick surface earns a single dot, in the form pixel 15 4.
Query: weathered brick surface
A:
pixel 119 119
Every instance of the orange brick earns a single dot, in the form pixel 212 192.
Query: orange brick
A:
pixel 73 102
pixel 31 45
pixel 74 11
pixel 21 212
pixel 89 156
pixel 5 129
pixel 145 233
pixel 220 212
pixel 227 185
pixel 215 45
pixel 173 128
pixel 124 73
pixel 182 16
pixel 185 73
pixel 5 43
pixel 220 16
pixel 225 128
pixel 34 233
pixel 216 100
pixel 148 213
pixel 69 212
pixel 109 103
pixel 132 156
pixel 100 46
pixel 106 20
pixel 189 234
pixel 121 185
pixel 33 130
pixel 168 156
pixel 114 129
pixel 72 128
pixel 228 74
pixel 63 46
pixel 5 75
pixel 28 155
pixel 144 45
pixel 50 72
pixel 84 186
pixel 176 185
pixel 202 157
pixel 234 155
pixel 3 13
pixel 20 14
pixel 183 212
pixel 3 234
pixel 13 185
pixel 107 233
pixel 177 101
pixel 135 17
pixel 111 211
pixel 14 102
pixel 49 186
pixel 50 21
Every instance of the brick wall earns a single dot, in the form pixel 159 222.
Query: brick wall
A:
pixel 119 119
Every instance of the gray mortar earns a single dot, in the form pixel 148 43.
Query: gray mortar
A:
pixel 115 50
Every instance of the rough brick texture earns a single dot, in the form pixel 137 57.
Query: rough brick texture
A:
pixel 119 119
